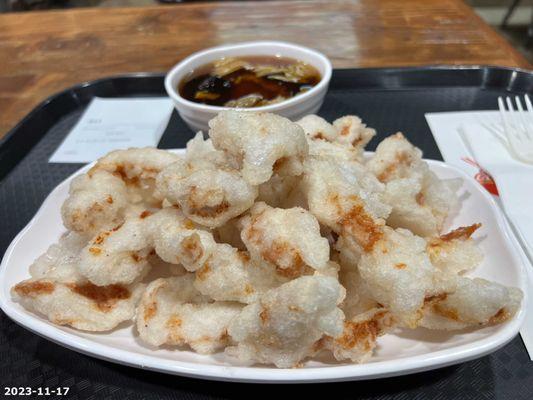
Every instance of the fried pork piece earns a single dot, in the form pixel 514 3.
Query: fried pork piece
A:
pixel 57 291
pixel 177 240
pixel 98 199
pixel 347 199
pixel 441 196
pixel 173 312
pixel 60 260
pixel 359 337
pixel 283 326
pixel 229 275
pixel 323 149
pixel 262 143
pixel 455 252
pixel 396 158
pixel 287 239
pixel 348 130
pixel 118 255
pixel 199 148
pixel 420 200
pixel 408 208
pixel 399 274
pixel 83 306
pixel 95 202
pixel 137 168
pixel 208 193
pixel 325 141
pixel 358 299
pixel 316 127
pixel 474 302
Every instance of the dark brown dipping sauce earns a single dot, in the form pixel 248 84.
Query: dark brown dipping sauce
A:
pixel 248 81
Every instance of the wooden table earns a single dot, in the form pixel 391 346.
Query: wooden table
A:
pixel 44 52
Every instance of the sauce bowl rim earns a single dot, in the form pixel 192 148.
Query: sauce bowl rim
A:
pixel 321 63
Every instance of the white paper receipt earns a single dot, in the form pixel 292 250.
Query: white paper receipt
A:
pixel 110 124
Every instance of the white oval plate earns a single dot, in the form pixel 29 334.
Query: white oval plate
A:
pixel 402 352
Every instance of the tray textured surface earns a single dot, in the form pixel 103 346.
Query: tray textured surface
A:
pixel 28 360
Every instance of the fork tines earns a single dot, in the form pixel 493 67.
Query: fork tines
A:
pixel 518 126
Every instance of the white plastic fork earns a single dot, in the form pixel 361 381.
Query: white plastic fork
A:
pixel 518 127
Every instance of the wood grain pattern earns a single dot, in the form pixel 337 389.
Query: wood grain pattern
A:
pixel 44 52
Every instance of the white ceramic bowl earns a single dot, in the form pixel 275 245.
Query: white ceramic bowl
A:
pixel 197 115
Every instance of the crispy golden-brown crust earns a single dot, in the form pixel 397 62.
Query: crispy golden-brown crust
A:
pixel 202 273
pixel 145 214
pixel 192 247
pixel 104 297
pixel 402 158
pixel 279 249
pixel 210 211
pixel 150 311
pixel 360 224
pixel 32 289
pixel 464 232
pixel 447 312
pixel 356 333
pixel 501 316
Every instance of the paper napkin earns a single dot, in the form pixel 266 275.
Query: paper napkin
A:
pixel 109 124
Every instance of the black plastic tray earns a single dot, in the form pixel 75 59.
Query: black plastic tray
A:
pixel 389 100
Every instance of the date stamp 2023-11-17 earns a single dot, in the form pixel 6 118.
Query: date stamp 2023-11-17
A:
pixel 35 391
